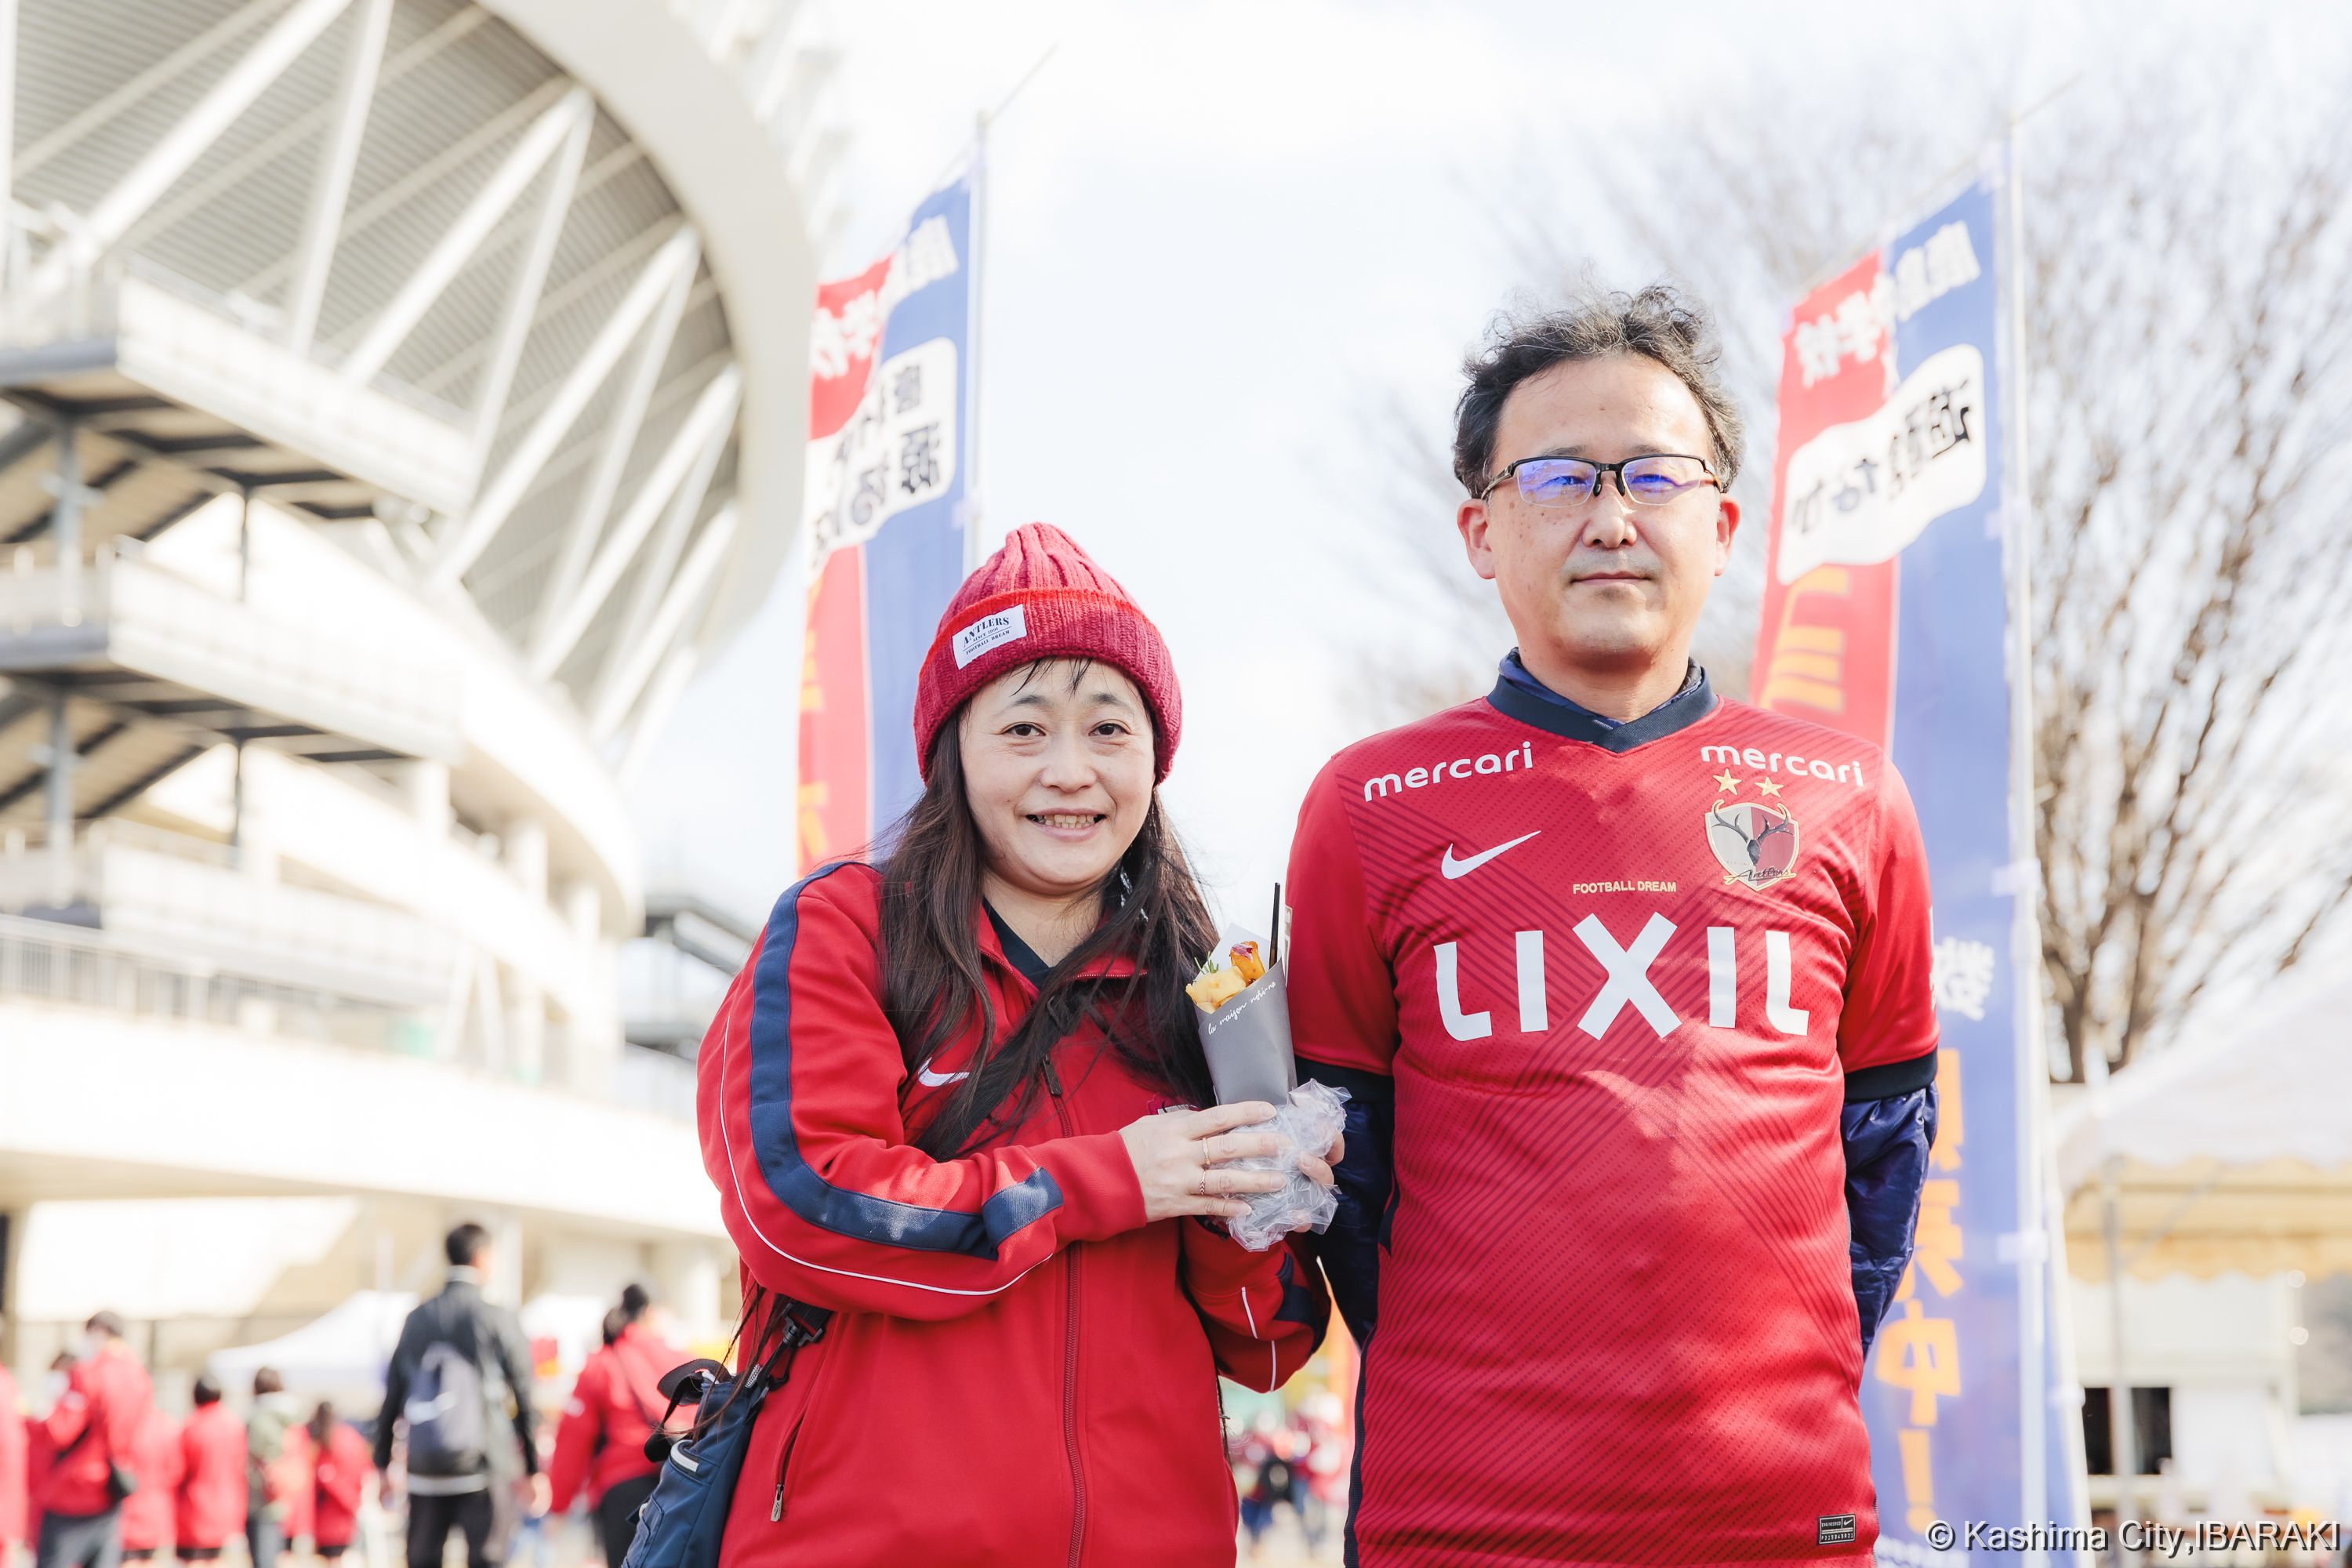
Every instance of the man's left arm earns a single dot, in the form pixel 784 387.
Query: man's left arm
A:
pixel 514 1360
pixel 1887 1042
pixel 1887 1144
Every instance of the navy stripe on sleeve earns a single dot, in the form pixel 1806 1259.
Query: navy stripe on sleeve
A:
pixel 797 1186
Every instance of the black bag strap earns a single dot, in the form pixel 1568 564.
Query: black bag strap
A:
pixel 792 1324
pixel 630 1383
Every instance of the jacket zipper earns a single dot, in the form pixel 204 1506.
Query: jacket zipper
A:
pixel 792 1439
pixel 1070 1352
pixel 776 1511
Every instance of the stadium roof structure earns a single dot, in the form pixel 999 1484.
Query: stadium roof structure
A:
pixel 510 299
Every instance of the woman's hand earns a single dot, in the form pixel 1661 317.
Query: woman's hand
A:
pixel 1172 1153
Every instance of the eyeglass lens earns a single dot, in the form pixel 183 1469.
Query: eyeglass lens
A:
pixel 1569 481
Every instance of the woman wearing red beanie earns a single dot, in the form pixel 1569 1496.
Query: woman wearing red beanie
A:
pixel 946 1100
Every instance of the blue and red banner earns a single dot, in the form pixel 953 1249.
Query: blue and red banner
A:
pixel 889 434
pixel 1885 615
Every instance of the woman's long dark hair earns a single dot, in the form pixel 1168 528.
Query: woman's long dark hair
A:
pixel 932 987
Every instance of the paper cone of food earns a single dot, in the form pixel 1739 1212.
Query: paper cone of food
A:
pixel 1242 997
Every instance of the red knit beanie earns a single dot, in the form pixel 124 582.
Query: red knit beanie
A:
pixel 1041 596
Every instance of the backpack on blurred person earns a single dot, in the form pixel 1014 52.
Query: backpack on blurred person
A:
pixel 459 1386
pixel 448 1412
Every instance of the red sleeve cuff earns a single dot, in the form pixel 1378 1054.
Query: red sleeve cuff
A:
pixel 1217 1265
pixel 1101 1195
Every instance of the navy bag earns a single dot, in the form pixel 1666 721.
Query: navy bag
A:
pixel 679 1526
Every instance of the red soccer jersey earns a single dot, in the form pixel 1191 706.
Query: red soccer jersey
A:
pixel 1621 983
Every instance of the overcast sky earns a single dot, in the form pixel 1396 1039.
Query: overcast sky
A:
pixel 1218 231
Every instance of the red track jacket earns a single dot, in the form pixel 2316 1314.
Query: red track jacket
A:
pixel 39 1457
pixel 154 1456
pixel 109 1393
pixel 211 1478
pixel 13 1472
pixel 1022 1372
pixel 292 1480
pixel 340 1473
pixel 601 1438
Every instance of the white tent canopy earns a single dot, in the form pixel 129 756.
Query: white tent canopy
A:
pixel 345 1347
pixel 2232 1153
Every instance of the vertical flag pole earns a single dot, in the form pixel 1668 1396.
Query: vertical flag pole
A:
pixel 2032 1242
pixel 974 498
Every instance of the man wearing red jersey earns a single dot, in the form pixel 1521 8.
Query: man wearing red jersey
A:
pixel 1629 985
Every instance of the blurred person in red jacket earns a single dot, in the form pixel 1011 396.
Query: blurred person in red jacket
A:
pixel 40 1454
pixel 90 1432
pixel 340 1465
pixel 12 1476
pixel 949 1106
pixel 615 1406
pixel 211 1494
pixel 147 1512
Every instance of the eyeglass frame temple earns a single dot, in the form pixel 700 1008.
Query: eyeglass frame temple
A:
pixel 1618 470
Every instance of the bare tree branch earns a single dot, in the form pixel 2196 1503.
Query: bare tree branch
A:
pixel 2189 380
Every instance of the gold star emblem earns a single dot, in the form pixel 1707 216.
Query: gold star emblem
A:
pixel 1724 781
pixel 1766 786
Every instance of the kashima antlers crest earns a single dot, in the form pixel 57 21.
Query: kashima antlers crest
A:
pixel 1757 844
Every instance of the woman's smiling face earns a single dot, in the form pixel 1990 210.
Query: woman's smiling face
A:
pixel 1057 766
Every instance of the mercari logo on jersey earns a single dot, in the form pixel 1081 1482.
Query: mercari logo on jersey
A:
pixel 1379 786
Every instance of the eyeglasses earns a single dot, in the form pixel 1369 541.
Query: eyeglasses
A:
pixel 1570 482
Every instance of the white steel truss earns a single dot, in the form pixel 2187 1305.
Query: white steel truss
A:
pixel 684 597
pixel 566 125
pixel 712 411
pixel 111 218
pixel 339 156
pixel 409 226
pixel 619 439
pixel 587 374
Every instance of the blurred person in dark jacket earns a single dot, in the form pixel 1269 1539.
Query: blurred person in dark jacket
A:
pixel 481 1499
pixel 89 1432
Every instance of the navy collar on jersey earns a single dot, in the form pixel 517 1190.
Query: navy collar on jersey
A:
pixel 1517 694
pixel 1018 953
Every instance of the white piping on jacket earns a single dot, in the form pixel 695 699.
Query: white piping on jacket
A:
pixel 744 1204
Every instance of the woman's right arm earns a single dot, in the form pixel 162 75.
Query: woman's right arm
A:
pixel 826 1200
pixel 576 1434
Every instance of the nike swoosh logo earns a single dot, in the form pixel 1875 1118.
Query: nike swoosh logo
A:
pixel 930 1079
pixel 1453 867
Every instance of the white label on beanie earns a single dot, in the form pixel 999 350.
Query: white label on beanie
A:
pixel 988 631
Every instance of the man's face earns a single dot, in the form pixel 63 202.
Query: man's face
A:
pixel 1607 588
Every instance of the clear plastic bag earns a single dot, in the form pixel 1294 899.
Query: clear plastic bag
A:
pixel 1306 1125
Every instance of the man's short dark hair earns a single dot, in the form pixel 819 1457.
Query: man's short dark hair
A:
pixel 206 1392
pixel 105 1323
pixel 466 1243
pixel 266 1381
pixel 1659 323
